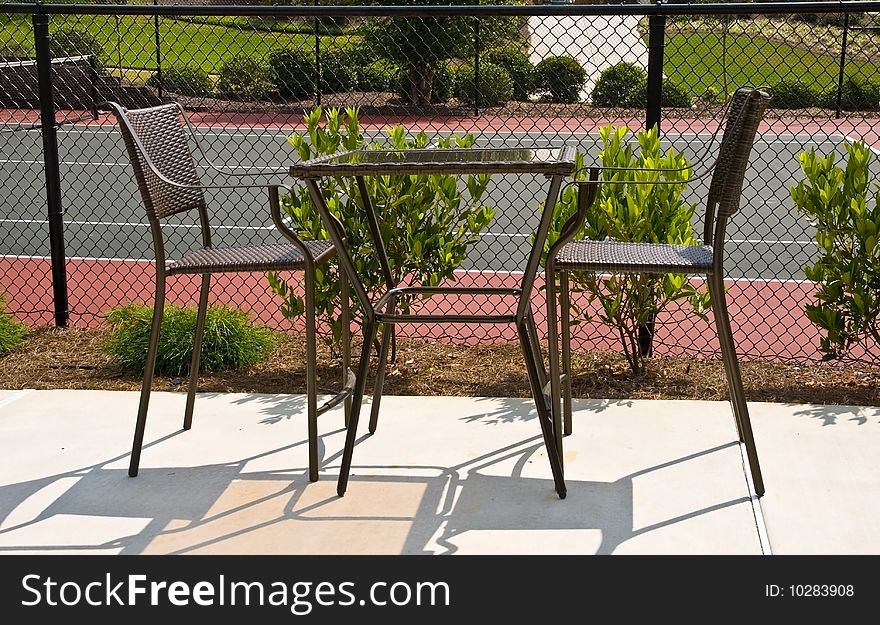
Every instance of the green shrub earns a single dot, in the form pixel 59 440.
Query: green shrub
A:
pixel 858 94
pixel 244 77
pixel 496 85
pixel 230 341
pixel 518 66
pixel 829 19
pixel 793 94
pixel 187 80
pixel 847 231
pixel 428 222
pixel 377 76
pixel 293 72
pixel 622 84
pixel 442 87
pixel 672 95
pixel 338 72
pixel 12 332
pixel 562 76
pixel 72 42
pixel 639 213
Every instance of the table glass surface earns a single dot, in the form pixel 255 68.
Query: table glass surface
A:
pixel 440 160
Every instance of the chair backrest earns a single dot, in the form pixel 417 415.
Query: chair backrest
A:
pixel 157 142
pixel 725 189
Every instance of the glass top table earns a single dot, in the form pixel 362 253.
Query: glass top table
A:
pixel 554 163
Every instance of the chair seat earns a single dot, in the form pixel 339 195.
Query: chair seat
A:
pixel 274 256
pixel 618 256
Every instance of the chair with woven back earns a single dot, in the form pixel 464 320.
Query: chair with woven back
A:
pixel 158 143
pixel 567 255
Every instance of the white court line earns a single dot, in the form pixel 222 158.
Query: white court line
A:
pixel 136 224
pixel 491 272
pixel 511 235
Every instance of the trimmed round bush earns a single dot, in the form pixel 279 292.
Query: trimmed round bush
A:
pixel 858 94
pixel 377 76
pixel 441 89
pixel 622 84
pixel 672 95
pixel 495 87
pixel 186 80
pixel 518 66
pixel 793 94
pixel 72 42
pixel 562 76
pixel 12 332
pixel 245 78
pixel 293 72
pixel 338 72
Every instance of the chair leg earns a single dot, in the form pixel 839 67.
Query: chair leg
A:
pixel 346 338
pixel 380 376
pixel 565 307
pixel 553 352
pixel 734 379
pixel 149 370
pixel 357 400
pixel 311 373
pixel 197 351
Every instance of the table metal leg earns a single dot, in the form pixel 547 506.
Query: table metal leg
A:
pixel 553 353
pixel 543 415
pixel 357 401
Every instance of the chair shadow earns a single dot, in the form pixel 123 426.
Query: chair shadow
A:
pixel 218 507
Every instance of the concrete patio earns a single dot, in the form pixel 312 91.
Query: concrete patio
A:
pixel 448 475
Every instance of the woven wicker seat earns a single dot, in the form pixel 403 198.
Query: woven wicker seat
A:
pixel 158 143
pixel 566 255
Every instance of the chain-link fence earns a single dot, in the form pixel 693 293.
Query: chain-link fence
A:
pixel 537 75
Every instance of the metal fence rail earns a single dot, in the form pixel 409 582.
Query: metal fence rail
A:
pixel 75 240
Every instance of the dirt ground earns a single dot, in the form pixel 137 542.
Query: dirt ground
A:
pixel 73 358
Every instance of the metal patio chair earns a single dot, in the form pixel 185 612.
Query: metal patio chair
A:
pixel 567 255
pixel 157 140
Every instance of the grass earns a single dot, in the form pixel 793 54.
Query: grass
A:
pixel 693 60
pixel 203 45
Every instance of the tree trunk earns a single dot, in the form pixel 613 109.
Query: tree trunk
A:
pixel 421 79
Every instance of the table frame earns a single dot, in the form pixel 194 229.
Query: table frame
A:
pixel 384 309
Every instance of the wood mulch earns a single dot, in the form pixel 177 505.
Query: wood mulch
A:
pixel 72 358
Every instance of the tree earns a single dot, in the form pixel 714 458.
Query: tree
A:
pixel 420 44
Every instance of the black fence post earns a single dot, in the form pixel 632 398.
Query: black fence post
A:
pixel 842 66
pixel 656 42
pixel 656 36
pixel 476 65
pixel 158 52
pixel 53 175
pixel 317 59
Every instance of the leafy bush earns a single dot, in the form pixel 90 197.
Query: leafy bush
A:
pixel 622 84
pixel 829 19
pixel 230 341
pixel 293 72
pixel 442 86
pixel 858 94
pixel 338 72
pixel 187 80
pixel 11 331
pixel 639 213
pixel 72 42
pixel 496 85
pixel 377 76
pixel 672 95
pixel 793 94
pixel 244 77
pixel 562 76
pixel 518 66
pixel 427 222
pixel 847 230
